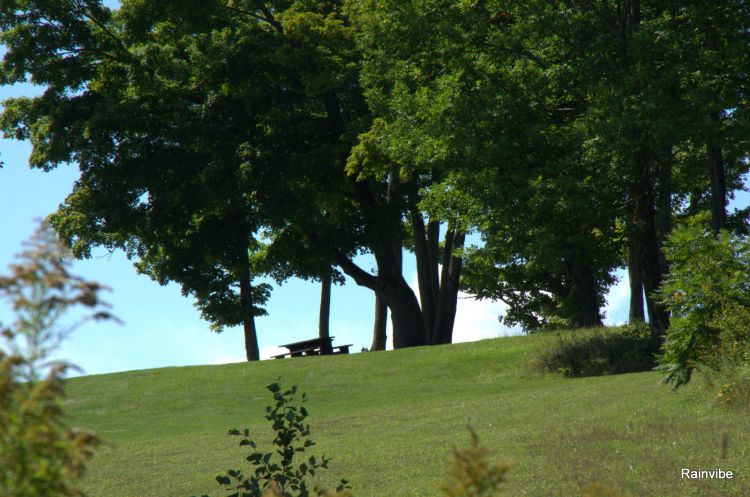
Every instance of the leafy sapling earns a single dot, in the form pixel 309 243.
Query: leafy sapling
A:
pixel 287 470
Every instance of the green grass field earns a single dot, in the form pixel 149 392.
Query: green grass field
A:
pixel 389 419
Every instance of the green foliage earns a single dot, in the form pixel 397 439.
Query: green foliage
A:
pixel 40 455
pixel 708 294
pixel 727 372
pixel 601 352
pixel 192 159
pixel 279 473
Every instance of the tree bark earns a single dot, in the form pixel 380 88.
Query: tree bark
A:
pixel 445 312
pixel 433 247
pixel 390 286
pixel 648 249
pixel 664 206
pixel 248 321
pixel 636 314
pixel 379 328
pixel 325 314
pixel 427 296
pixel 718 180
pixel 588 303
pixel 406 314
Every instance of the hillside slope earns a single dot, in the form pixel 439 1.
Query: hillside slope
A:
pixel 389 419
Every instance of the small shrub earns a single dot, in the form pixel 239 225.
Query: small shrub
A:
pixel 600 352
pixel 286 471
pixel 471 474
pixel 40 456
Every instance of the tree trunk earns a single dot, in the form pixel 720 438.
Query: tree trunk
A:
pixel 445 313
pixel 325 313
pixel 406 314
pixel 664 206
pixel 248 322
pixel 391 287
pixel 648 248
pixel 718 180
pixel 636 280
pixel 588 303
pixel 424 270
pixel 379 328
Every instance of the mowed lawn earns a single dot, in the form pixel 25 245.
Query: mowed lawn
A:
pixel 389 420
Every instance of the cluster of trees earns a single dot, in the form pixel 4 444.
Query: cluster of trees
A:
pixel 226 140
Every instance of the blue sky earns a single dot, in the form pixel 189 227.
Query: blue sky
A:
pixel 162 328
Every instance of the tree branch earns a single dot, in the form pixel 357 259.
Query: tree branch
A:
pixel 268 16
pixel 359 275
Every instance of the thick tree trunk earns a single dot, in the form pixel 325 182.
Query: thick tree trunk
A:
pixel 636 314
pixel 426 246
pixel 406 314
pixel 325 314
pixel 718 181
pixel 391 287
pixel 583 278
pixel 248 322
pixel 379 328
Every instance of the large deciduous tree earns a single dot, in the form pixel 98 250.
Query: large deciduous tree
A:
pixel 193 120
pixel 467 110
pixel 184 119
pixel 224 140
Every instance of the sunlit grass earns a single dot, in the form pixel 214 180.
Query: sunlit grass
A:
pixel 389 419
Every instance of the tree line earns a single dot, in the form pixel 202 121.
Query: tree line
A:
pixel 224 141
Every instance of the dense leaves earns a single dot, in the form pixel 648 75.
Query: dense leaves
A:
pixel 224 141
pixel 708 294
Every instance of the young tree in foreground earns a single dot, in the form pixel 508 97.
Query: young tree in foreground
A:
pixel 40 455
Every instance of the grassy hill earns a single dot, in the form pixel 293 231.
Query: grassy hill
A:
pixel 389 419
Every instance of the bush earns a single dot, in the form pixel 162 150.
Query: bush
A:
pixel 708 295
pixel 600 352
pixel 280 473
pixel 40 455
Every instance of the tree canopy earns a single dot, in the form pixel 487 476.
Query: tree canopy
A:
pixel 223 141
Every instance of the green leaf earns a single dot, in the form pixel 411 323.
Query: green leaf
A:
pixel 274 388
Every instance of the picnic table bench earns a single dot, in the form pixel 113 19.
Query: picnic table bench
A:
pixel 311 347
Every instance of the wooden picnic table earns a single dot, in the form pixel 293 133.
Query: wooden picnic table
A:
pixel 310 347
